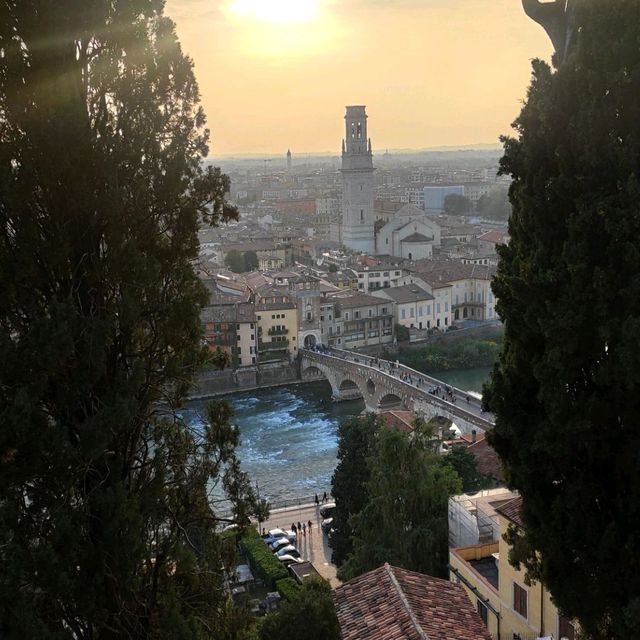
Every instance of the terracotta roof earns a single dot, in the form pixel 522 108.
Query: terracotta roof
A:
pixel 401 420
pixel 512 510
pixel 395 604
pixel 487 460
pixel 495 235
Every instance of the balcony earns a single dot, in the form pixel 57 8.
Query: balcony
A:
pixel 280 345
pixel 278 331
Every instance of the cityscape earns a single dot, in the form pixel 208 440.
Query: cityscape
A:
pixel 319 320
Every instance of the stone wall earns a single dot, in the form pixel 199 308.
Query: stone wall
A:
pixel 215 383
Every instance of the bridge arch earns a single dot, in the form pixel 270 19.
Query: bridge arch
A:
pixel 313 372
pixel 347 385
pixel 391 401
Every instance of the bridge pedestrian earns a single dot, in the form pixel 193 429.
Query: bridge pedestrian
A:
pixel 317 500
pixel 324 497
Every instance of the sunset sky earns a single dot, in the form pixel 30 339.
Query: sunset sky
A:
pixel 277 74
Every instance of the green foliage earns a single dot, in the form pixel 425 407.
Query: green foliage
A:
pixel 451 355
pixel 565 393
pixel 405 519
pixel 333 268
pixel 262 560
pixel 356 443
pixel 288 588
pixel 309 616
pixel 495 204
pixel 457 205
pixel 250 261
pixel 402 333
pixel 235 261
pixel 106 527
pixel 464 464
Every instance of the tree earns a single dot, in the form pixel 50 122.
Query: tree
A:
pixel 457 205
pixel 405 519
pixel 311 615
pixel 356 442
pixel 106 523
pixel 250 261
pixel 495 204
pixel 402 333
pixel 235 261
pixel 565 392
pixel 464 464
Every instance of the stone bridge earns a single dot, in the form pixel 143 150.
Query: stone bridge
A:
pixel 385 385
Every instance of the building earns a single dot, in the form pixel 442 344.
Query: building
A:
pixel 231 328
pixel 396 603
pixel 357 183
pixel 488 241
pixel 357 320
pixel 509 606
pixel 434 197
pixel 277 320
pixel 410 235
pixel 289 163
pixel 379 277
pixel 414 308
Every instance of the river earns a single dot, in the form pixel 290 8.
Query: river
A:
pixel 289 434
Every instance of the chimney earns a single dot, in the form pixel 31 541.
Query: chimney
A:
pixel 473 435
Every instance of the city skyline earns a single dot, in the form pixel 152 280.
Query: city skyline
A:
pixel 277 74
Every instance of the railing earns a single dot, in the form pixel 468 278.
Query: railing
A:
pixel 392 371
pixel 278 331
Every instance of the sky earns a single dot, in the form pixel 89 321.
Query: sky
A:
pixel 277 74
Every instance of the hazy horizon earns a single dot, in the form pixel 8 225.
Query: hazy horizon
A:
pixel 277 74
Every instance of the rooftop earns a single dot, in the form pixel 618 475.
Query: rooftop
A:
pixel 407 293
pixel 391 603
pixel 512 511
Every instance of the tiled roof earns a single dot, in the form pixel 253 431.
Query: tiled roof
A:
pixel 395 604
pixel 487 460
pixel 416 237
pixel 495 235
pixel 400 420
pixel 406 293
pixel 512 510
pixel 359 300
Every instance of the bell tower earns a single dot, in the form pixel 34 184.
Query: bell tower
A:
pixel 357 183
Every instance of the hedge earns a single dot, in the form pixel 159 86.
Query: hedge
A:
pixel 262 560
pixel 288 588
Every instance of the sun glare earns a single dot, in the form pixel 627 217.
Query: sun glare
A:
pixel 276 11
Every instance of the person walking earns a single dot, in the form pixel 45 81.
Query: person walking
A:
pixel 324 497
pixel 299 527
pixel 293 528
pixel 317 500
pixel 304 529
pixel 309 526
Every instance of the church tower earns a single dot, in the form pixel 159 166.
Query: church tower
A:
pixel 289 160
pixel 357 183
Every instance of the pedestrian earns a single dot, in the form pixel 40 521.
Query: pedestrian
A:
pixel 264 531
pixel 299 526
pixel 309 525
pixel 293 528
pixel 324 497
pixel 304 529
pixel 467 399
pixel 317 500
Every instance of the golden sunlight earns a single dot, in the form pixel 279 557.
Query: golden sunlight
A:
pixel 276 11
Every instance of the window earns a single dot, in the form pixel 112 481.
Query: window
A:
pixel 273 317
pixel 519 600
pixel 411 312
pixel 356 315
pixel 253 336
pixel 361 215
pixel 361 275
pixel 428 309
pixel 404 314
pixel 238 327
pixel 482 612
pixel 397 273
pixel 566 630
pixel 385 274
pixel 386 241
pixel 438 307
pixel 446 307
pixel 384 311
pixel 346 315
pixel 239 350
pixel 370 313
pixel 259 318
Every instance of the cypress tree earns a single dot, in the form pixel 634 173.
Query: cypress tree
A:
pixel 106 530
pixel 566 389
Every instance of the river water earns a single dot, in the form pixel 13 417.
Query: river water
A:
pixel 289 434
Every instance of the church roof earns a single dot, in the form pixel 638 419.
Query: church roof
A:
pixel 417 237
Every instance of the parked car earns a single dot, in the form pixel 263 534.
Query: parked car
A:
pixel 288 550
pixel 327 510
pixel 279 543
pixel 275 534
pixel 326 525
pixel 289 559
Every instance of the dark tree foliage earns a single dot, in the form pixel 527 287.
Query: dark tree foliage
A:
pixel 235 261
pixel 404 521
pixel 566 392
pixel 356 443
pixel 251 260
pixel 464 464
pixel 311 616
pixel 457 205
pixel 495 204
pixel 106 527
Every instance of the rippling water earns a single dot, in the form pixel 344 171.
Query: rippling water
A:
pixel 289 437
